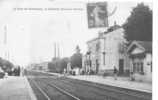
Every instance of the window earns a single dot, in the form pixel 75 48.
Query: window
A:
pixel 142 68
pixel 134 67
pixel 90 63
pixel 138 67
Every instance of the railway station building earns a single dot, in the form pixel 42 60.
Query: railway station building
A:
pixel 110 49
pixel 106 52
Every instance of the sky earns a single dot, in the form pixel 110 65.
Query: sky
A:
pixel 31 34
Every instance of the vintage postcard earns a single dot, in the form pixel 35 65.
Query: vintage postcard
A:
pixel 76 50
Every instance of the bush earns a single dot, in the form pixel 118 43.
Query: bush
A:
pixel 91 72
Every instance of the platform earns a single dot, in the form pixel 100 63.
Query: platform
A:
pixel 15 88
pixel 120 82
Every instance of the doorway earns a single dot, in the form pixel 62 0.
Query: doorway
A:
pixel 97 65
pixel 121 65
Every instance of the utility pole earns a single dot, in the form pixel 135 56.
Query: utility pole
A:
pixel 5 35
pixel 6 52
pixel 55 50
pixel 58 51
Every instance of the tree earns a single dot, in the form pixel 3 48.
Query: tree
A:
pixel 6 65
pixel 76 59
pixel 139 24
pixel 58 65
pixel 51 67
pixel 63 62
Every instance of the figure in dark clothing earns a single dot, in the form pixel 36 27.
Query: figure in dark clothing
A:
pixel 18 71
pixel 15 71
pixel 115 73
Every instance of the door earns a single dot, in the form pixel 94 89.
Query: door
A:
pixel 121 65
pixel 97 65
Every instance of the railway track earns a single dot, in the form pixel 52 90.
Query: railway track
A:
pixel 103 96
pixel 43 87
pixel 40 94
pixel 109 93
pixel 120 93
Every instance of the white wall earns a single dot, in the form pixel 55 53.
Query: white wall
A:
pixel 147 64
pixel 112 56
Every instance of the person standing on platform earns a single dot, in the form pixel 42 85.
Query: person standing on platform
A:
pixel 115 73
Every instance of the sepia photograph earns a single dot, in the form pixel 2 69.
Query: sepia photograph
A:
pixel 76 50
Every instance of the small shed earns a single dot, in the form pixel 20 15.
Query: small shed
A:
pixel 140 55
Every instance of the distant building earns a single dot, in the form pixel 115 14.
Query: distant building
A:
pixel 106 51
pixel 140 57
pixel 40 66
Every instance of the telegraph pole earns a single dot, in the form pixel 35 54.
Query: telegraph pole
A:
pixel 55 50
pixel 5 35
pixel 58 51
pixel 6 52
